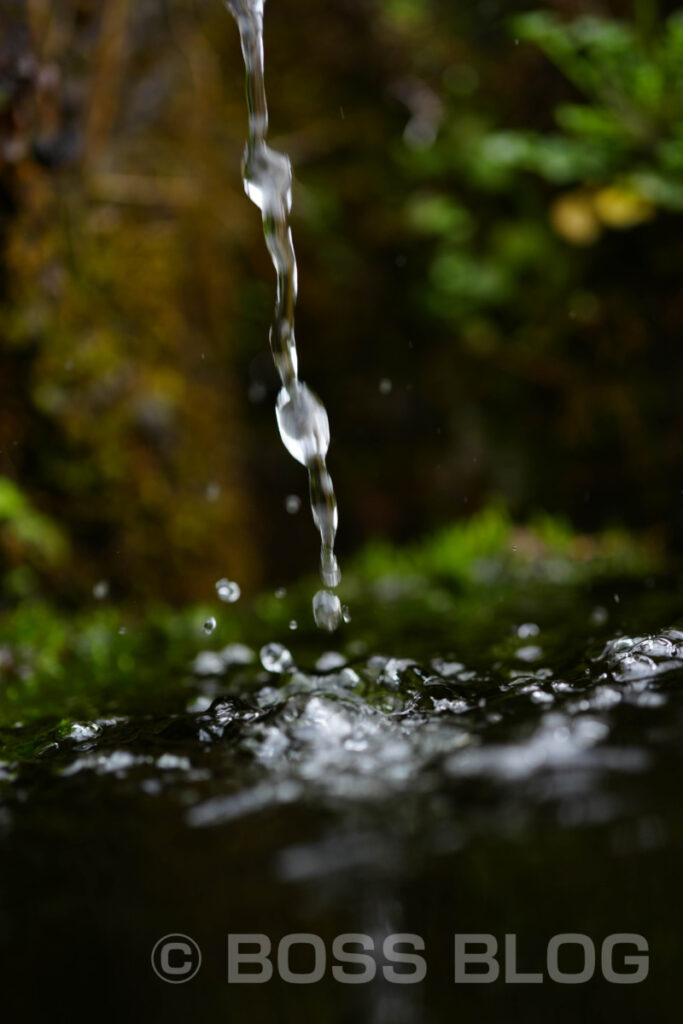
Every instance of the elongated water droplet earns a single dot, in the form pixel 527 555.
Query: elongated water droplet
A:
pixel 268 181
pixel 303 424
pixel 210 624
pixel 327 610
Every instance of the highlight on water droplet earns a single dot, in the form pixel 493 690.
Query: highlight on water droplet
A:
pixel 228 591
pixel 210 624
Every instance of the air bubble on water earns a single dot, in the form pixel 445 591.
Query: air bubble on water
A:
pixel 276 658
pixel 303 423
pixel 385 386
pixel 327 610
pixel 293 504
pixel 228 591
pixel 100 590
pixel 210 624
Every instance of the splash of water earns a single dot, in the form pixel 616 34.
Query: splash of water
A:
pixel 301 416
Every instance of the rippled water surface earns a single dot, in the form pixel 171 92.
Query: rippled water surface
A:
pixel 508 763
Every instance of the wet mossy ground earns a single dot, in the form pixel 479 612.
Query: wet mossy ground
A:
pixel 471 761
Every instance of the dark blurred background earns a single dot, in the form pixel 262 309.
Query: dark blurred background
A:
pixel 487 216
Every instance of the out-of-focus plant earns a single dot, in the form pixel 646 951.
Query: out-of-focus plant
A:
pixel 614 160
pixel 29 540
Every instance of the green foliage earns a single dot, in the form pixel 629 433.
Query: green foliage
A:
pixel 489 547
pixel 630 122
pixel 27 537
pixel 621 148
pixel 100 660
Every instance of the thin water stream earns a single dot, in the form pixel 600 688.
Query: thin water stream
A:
pixel 301 416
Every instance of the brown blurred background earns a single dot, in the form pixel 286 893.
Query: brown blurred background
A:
pixel 487 218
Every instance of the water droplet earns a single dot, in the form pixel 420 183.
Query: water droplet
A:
pixel 280 593
pixel 529 653
pixel 330 660
pixel 210 624
pixel 212 491
pixel 268 181
pixel 303 424
pixel 293 624
pixel 527 629
pixel 599 616
pixel 293 504
pixel 100 590
pixel 346 613
pixel 228 591
pixel 327 610
pixel 385 386
pixel 276 658
pixel 122 630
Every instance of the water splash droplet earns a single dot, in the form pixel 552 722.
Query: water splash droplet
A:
pixel 210 624
pixel 276 658
pixel 293 504
pixel 293 624
pixel 101 590
pixel 228 591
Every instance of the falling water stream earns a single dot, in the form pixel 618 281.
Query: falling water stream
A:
pixel 301 416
